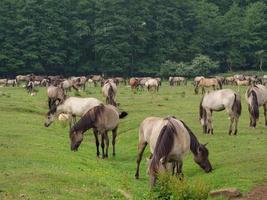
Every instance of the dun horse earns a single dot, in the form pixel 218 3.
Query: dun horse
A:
pixel 73 106
pixel 256 96
pixel 207 82
pixel 152 84
pixel 169 140
pixel 55 94
pixel 101 118
pixel 109 91
pixel 217 101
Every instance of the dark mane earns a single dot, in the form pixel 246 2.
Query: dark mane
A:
pixel 163 146
pixel 52 110
pixel 194 144
pixel 89 119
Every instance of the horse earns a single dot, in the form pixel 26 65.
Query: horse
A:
pixel 68 84
pixel 217 101
pixel 229 80
pixel 101 118
pixel 11 82
pixel 169 140
pixel 207 82
pixel 256 96
pixel 73 106
pixel 242 82
pixel 30 86
pixel 82 82
pixel 197 79
pixel 152 84
pixel 177 80
pixel 133 82
pixel 25 78
pixel 55 94
pixel 109 91
pixel 96 79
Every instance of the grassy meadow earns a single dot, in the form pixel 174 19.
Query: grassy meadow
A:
pixel 36 162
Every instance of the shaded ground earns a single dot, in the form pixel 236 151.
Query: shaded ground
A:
pixel 258 193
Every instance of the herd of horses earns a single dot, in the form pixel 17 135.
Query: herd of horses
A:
pixel 169 139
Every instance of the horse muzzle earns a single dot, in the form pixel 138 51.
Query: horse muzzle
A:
pixel 46 124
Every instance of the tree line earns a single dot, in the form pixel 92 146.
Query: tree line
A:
pixel 130 38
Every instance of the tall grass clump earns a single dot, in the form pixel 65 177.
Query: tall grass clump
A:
pixel 172 188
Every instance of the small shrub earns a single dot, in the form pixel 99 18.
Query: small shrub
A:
pixel 171 187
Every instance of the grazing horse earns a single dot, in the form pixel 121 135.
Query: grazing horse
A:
pixel 207 82
pixel 169 140
pixel 96 79
pixel 68 84
pixel 55 94
pixel 25 78
pixel 152 84
pixel 101 118
pixel 229 80
pixel 217 101
pixel 256 96
pixel 73 106
pixel 109 91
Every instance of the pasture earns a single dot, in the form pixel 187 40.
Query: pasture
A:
pixel 36 162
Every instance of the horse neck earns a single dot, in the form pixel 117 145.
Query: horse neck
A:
pixel 83 124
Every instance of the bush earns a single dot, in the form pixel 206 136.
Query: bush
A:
pixel 171 187
pixel 201 65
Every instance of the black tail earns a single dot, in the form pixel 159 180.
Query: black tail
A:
pixel 163 146
pixel 220 83
pixel 237 107
pixel 203 115
pixel 111 96
pixel 123 114
pixel 253 107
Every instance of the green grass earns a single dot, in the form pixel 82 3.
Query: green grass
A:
pixel 36 162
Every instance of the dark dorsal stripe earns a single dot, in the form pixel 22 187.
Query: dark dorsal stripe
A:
pixel 194 144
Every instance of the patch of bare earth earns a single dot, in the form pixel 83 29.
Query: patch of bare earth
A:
pixel 258 193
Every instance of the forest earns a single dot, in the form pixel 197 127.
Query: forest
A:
pixel 132 38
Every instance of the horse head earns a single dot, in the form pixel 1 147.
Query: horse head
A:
pixel 50 116
pixel 202 158
pixel 76 138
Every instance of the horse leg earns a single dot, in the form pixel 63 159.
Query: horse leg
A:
pixel 49 103
pixel 102 145
pixel 96 142
pixel 107 143
pixel 231 124
pixel 236 124
pixel 179 166
pixel 141 148
pixel 265 113
pixel 209 120
pixel 203 90
pixel 114 135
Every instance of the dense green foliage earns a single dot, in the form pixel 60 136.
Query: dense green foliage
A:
pixel 129 37
pixel 171 187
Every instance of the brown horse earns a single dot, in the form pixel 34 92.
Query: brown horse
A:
pixel 169 140
pixel 256 96
pixel 208 82
pixel 217 101
pixel 133 82
pixel 101 118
